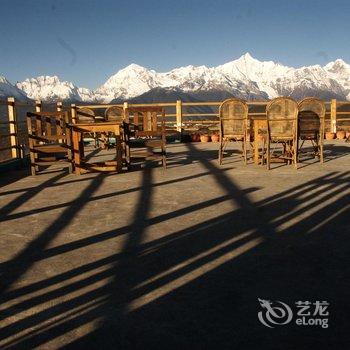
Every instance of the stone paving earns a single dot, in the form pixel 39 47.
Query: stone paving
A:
pixel 175 258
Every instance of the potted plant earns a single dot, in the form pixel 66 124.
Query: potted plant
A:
pixel 215 137
pixel 205 138
pixel 204 134
pixel 330 135
pixel 341 134
pixel 195 137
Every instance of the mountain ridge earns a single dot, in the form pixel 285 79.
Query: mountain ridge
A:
pixel 245 77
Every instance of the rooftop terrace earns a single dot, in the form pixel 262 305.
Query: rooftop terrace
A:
pixel 180 256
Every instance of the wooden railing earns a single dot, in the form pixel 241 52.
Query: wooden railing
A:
pixel 13 127
pixel 180 116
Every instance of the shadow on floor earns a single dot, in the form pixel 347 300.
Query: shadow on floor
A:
pixel 197 287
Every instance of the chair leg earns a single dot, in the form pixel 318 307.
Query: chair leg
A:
pixel 70 167
pixel 33 167
pixel 244 150
pixel 164 156
pixel 295 153
pixel 33 170
pixel 220 152
pixel 119 153
pixel 263 152
pixel 268 155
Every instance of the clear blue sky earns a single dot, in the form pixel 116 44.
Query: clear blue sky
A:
pixel 86 41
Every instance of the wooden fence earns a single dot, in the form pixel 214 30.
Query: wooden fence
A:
pixel 180 116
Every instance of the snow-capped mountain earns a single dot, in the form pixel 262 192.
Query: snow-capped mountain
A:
pixel 7 90
pixel 131 81
pixel 245 77
pixel 50 88
pixel 135 80
pixel 340 71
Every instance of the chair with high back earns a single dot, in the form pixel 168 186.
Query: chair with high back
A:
pixel 311 124
pixel 233 115
pixel 143 130
pixel 282 127
pixel 114 113
pixel 87 115
pixel 49 139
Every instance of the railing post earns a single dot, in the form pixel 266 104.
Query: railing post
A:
pixel 38 106
pixel 73 111
pixel 126 116
pixel 12 118
pixel 179 117
pixel 59 127
pixel 333 115
pixel 59 106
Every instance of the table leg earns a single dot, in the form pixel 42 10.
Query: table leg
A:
pixel 76 151
pixel 119 149
pixel 256 143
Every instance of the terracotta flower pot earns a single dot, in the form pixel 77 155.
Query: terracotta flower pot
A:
pixel 341 135
pixel 215 138
pixel 330 135
pixel 205 138
pixel 195 137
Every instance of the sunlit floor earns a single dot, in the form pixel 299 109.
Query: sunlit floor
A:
pixel 154 258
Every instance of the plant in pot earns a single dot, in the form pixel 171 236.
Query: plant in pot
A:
pixel 341 134
pixel 205 138
pixel 204 135
pixel 329 135
pixel 195 137
pixel 215 137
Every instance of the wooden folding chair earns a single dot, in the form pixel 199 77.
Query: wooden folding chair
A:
pixel 145 128
pixel 49 139
pixel 282 127
pixel 87 115
pixel 116 114
pixel 233 115
pixel 311 125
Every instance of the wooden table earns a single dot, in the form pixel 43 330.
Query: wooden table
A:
pixel 259 124
pixel 78 131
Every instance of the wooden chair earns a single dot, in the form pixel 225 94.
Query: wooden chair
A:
pixel 49 139
pixel 233 115
pixel 143 131
pixel 311 124
pixel 87 115
pixel 282 127
pixel 116 114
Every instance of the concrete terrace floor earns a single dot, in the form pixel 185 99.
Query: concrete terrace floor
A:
pixel 179 257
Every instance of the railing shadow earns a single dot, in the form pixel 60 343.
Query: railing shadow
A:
pixel 195 286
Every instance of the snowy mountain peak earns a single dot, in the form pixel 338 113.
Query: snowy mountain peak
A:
pixel 50 88
pixel 134 66
pixel 7 90
pixel 338 65
pixel 3 80
pixel 246 57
